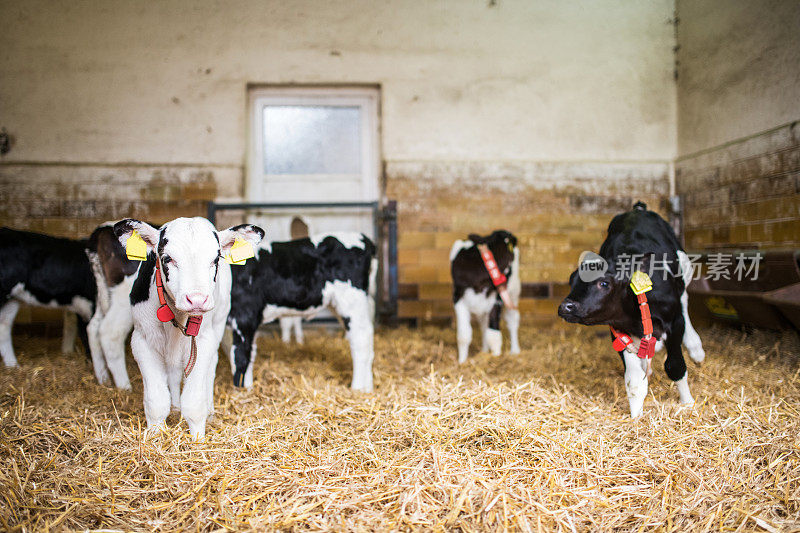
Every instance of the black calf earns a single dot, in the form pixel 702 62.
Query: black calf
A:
pixel 639 240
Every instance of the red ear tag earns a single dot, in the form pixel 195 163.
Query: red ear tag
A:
pixel 193 325
pixel 164 313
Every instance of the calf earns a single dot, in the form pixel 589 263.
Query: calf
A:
pixel 300 278
pixel 112 320
pixel 43 271
pixel 180 300
pixel 608 298
pixel 475 291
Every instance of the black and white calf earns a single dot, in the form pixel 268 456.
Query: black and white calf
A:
pixel 112 320
pixel 609 299
pixel 196 283
pixel 474 293
pixel 300 278
pixel 43 271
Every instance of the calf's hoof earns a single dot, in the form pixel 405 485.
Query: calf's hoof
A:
pixel 697 355
pixel 495 341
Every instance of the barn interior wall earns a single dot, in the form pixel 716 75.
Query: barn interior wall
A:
pixel 543 117
pixel 556 210
pixel 738 167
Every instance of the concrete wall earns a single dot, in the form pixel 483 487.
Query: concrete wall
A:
pixel 165 82
pixel 738 136
pixel 739 69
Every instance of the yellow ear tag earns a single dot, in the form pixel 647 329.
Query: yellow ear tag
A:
pixel 640 282
pixel 240 252
pixel 136 249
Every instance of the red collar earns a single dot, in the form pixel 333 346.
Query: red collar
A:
pixel 647 347
pixel 165 314
pixel 498 278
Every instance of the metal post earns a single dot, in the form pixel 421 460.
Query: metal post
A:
pixel 212 213
pixel 391 216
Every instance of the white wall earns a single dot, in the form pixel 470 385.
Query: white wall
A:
pixel 165 82
pixel 739 69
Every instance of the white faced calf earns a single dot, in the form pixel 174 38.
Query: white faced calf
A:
pixel 185 256
pixel 476 292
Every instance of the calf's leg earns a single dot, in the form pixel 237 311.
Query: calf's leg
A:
pixel 492 337
pixel 154 380
pixel 117 323
pixel 70 334
pixel 286 329
pixel 83 334
pixel 242 354
pixel 483 322
pixel 7 314
pixel 196 395
pixel 635 382
pixel 675 365
pixel 174 378
pixel 463 330
pixel 353 306
pixel 298 328
pixel 96 348
pixel 690 337
pixel 511 317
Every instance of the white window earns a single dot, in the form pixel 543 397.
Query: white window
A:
pixel 314 145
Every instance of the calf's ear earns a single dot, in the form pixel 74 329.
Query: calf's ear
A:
pixel 125 228
pixel 248 232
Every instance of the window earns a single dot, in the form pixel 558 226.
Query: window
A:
pixel 314 145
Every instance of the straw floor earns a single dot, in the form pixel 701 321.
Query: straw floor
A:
pixel 539 441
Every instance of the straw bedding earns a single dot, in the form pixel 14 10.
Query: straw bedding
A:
pixel 539 441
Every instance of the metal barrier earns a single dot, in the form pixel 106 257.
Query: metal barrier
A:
pixel 384 220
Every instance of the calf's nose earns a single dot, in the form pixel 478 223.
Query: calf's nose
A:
pixel 197 300
pixel 567 307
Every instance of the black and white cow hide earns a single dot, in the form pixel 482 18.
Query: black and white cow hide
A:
pixel 300 278
pixel 43 271
pixel 474 293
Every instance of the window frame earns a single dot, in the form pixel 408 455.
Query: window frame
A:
pixel 366 98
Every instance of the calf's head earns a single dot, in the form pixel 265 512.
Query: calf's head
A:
pixel 189 251
pixel 598 301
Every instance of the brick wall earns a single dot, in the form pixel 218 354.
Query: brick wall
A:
pixel 557 210
pixel 745 194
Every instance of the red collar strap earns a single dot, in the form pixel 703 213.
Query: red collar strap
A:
pixel 165 314
pixel 498 278
pixel 647 346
